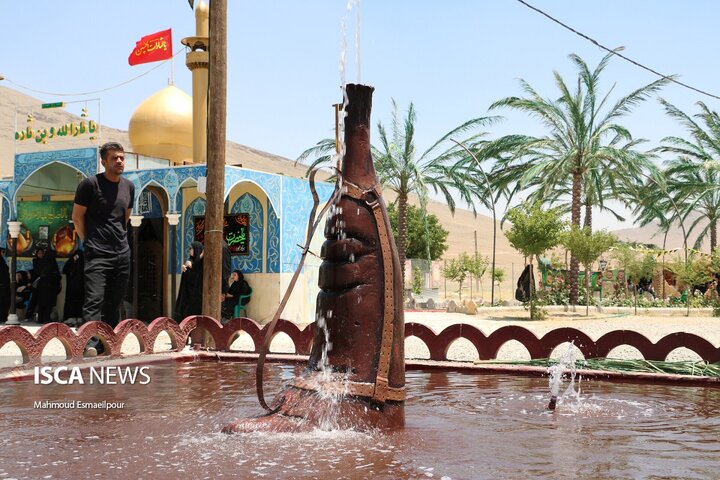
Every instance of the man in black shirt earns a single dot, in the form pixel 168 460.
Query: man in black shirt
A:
pixel 103 204
pixel 4 287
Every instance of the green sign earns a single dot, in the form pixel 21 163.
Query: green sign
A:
pixel 53 105
pixel 47 224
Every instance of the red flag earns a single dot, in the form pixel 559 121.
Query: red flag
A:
pixel 152 48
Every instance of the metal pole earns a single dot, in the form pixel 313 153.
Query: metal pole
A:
pixel 337 107
pixel 173 220
pixel 492 204
pixel 217 113
pixel 477 280
pixel 13 284
pixel 662 269
pixel 445 265
pixel 135 222
pixel 173 276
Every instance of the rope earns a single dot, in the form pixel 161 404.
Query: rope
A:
pixel 599 45
pixel 55 94
pixel 312 226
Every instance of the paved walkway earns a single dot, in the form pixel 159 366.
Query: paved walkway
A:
pixel 488 320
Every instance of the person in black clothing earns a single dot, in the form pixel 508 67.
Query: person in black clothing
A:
pixel 23 290
pixel 238 286
pixel 4 287
pixel 46 283
pixel 74 288
pixel 101 210
pixel 226 267
pixel 189 300
pixel 103 204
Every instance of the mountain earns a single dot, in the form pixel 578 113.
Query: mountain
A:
pixel 652 233
pixel 15 104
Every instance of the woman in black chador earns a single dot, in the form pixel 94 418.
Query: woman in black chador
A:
pixel 74 288
pixel 46 283
pixel 189 301
pixel 238 287
pixel 23 290
pixel 4 287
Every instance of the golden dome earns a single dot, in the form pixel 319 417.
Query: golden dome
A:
pixel 162 126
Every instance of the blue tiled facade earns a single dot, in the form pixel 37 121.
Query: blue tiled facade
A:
pixel 278 222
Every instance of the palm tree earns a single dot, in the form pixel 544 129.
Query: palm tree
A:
pixel 694 176
pixel 653 204
pixel 585 153
pixel 400 170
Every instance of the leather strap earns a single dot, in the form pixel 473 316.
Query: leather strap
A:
pixel 313 223
pixel 381 391
pixel 359 389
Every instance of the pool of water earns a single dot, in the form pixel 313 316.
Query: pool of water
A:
pixel 458 426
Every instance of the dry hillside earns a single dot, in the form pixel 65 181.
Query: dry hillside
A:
pixel 461 225
pixel 653 234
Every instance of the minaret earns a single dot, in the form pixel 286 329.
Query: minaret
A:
pixel 197 60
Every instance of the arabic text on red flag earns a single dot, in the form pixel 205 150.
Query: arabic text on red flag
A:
pixel 152 48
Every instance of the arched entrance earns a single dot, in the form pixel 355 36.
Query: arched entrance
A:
pixel 152 204
pixel 44 202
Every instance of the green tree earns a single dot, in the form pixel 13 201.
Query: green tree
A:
pixel 456 269
pixel 400 169
pixel 695 270
pixel 534 231
pixel 715 261
pixel 498 278
pixel 625 256
pixel 587 247
pixel 693 177
pixel 477 266
pixel 642 268
pixel 417 281
pixel 421 228
pixel 585 154
pixel 654 205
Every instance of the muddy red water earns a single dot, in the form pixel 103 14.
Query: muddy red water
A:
pixel 458 426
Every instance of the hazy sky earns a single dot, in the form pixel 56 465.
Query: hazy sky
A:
pixel 452 59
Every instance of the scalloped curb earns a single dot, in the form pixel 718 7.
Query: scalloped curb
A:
pixel 438 344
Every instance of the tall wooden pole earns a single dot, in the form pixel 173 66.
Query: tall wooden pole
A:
pixel 217 113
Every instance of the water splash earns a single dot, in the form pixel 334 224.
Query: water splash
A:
pixel 333 387
pixel 343 45
pixel 357 40
pixel 565 368
pixel 325 370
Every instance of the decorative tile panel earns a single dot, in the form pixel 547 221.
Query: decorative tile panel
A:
pixel 252 263
pixel 85 160
pixel 273 241
pixel 169 179
pixel 268 182
pixel 4 221
pixel 196 207
pixel 297 203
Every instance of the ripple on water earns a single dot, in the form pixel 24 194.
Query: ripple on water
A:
pixel 457 426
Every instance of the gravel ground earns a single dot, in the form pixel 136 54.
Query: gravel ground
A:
pixel 653 327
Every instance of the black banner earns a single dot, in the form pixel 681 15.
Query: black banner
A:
pixel 235 231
